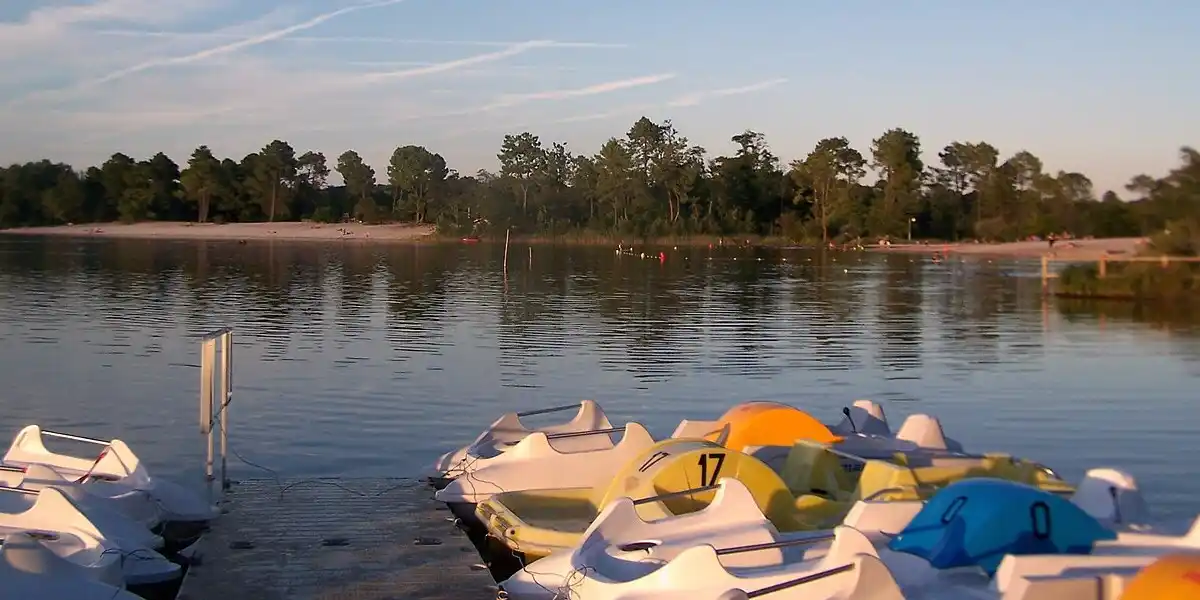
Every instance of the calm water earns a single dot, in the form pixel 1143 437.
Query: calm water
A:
pixel 365 361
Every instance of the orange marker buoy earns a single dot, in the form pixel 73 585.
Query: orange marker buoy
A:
pixel 662 257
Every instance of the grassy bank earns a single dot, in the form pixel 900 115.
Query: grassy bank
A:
pixel 1174 281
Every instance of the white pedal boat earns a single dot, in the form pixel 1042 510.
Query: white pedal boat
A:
pixel 66 568
pixel 91 499
pixel 114 472
pixel 51 513
pixel 51 505
pixel 730 545
pixel 863 430
pixel 533 463
pixel 765 430
pixel 506 431
pixel 623 556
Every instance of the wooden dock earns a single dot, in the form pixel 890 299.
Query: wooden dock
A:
pixel 327 539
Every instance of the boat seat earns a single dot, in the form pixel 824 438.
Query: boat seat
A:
pixel 811 467
pixel 826 491
pixel 879 481
pixel 941 471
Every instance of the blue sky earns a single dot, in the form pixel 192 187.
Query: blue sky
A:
pixel 1105 87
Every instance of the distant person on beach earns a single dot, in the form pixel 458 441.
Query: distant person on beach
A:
pixel 1050 239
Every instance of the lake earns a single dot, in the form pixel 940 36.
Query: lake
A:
pixel 370 360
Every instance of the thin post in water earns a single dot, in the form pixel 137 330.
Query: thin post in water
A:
pixel 506 233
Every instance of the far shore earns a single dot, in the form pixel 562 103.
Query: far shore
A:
pixel 1082 249
pixel 284 230
pixel 1079 249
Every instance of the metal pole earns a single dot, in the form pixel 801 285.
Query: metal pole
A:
pixel 208 350
pixel 226 393
pixel 506 234
pixel 542 411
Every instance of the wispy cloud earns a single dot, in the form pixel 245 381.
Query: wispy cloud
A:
pixel 240 44
pixel 608 114
pixel 142 76
pixel 696 98
pixel 687 100
pixel 451 65
pixel 352 39
pixel 46 24
pixel 591 90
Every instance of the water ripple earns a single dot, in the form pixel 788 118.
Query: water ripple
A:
pixel 369 361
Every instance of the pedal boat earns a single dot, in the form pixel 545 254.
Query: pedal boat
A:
pixel 113 472
pixel 814 491
pixel 508 430
pixel 53 516
pixel 62 567
pixel 97 502
pixel 536 463
pixel 766 430
pixel 591 430
pixel 731 547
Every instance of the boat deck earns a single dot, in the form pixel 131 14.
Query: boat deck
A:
pixel 326 539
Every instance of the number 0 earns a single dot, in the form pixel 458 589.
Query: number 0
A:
pixel 718 460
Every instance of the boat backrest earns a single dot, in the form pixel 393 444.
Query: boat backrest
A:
pixel 29 447
pixel 866 417
pixel 923 430
pixel 509 427
pixel 1112 496
pixel 118 460
pixel 27 440
pixel 690 428
pixel 812 467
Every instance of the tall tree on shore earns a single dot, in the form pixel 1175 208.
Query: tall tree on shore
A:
pixel 414 173
pixel 832 168
pixel 359 178
pixel 312 175
pixel 896 155
pixel 522 157
pixel 649 181
pixel 274 177
pixel 201 180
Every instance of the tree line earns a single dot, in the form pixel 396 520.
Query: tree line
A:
pixel 651 182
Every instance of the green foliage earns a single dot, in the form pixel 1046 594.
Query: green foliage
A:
pixel 1153 280
pixel 649 182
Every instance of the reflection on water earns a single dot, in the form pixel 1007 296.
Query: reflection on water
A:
pixel 370 360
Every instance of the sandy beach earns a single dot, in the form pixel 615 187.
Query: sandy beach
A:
pixel 290 231
pixel 1072 249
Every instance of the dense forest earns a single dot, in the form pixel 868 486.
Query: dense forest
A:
pixel 651 182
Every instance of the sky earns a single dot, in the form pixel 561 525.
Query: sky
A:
pixel 1097 86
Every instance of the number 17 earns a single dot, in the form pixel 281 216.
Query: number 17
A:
pixel 718 459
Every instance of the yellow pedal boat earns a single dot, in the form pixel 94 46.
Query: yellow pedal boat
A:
pixel 815 488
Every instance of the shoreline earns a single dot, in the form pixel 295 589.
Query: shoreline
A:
pixel 1076 249
pixel 291 231
pixel 296 231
